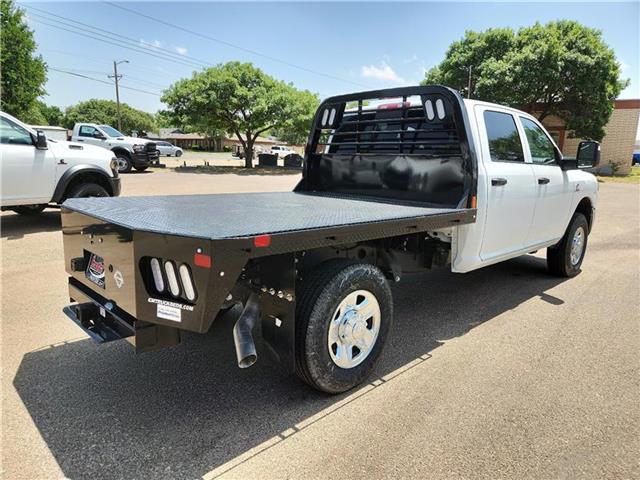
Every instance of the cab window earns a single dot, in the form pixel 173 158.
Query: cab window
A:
pixel 505 144
pixel 13 134
pixel 87 131
pixel 541 148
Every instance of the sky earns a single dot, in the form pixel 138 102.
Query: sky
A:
pixel 328 48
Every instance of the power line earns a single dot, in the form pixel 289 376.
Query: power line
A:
pixel 229 44
pixel 102 81
pixel 70 22
pixel 110 42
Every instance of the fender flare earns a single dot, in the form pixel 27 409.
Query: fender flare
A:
pixel 72 173
pixel 123 149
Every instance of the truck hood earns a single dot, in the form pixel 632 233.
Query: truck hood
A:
pixel 129 140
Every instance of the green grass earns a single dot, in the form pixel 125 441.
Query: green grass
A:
pixel 632 177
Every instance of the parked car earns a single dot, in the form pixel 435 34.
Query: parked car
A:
pixel 281 151
pixel 131 152
pixel 635 160
pixel 168 149
pixel 38 171
pixel 386 190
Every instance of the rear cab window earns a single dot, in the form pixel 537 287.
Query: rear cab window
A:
pixel 505 144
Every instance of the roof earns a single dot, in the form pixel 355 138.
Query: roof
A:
pixel 48 127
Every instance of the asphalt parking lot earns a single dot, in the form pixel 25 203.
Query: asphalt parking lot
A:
pixel 505 372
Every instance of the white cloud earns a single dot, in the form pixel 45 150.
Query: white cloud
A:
pixel 181 50
pixel 384 72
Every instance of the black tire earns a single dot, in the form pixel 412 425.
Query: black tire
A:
pixel 29 209
pixel 179 153
pixel 559 261
pixel 141 169
pixel 85 190
pixel 124 163
pixel 318 296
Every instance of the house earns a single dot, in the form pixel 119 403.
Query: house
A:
pixel 616 146
pixel 200 142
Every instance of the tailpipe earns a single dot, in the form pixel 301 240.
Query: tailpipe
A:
pixel 242 337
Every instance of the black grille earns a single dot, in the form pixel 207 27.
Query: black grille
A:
pixel 151 147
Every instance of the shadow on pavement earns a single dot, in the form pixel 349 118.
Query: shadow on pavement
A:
pixel 184 411
pixel 14 226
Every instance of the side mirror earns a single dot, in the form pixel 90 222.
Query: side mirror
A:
pixel 588 155
pixel 41 140
pixel 98 135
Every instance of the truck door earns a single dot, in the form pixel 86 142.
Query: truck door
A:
pixel 28 174
pixel 86 134
pixel 553 193
pixel 509 184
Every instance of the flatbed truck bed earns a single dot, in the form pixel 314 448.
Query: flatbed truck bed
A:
pixel 229 216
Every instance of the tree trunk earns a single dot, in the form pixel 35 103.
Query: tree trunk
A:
pixel 248 154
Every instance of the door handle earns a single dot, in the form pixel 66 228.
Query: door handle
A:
pixel 543 181
pixel 79 140
pixel 496 182
pixel 62 162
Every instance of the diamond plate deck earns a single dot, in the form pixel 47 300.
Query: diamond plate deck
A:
pixel 227 216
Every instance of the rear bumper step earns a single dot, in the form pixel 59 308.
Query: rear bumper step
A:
pixel 104 322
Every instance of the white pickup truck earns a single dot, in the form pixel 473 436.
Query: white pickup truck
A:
pixel 131 152
pixel 411 179
pixel 38 171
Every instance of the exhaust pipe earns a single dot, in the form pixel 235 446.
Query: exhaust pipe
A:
pixel 242 337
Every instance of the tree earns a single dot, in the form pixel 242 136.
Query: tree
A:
pixel 51 114
pixel 295 129
pixel 237 98
pixel 562 68
pixel 106 112
pixel 22 75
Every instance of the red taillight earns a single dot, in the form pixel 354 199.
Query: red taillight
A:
pixel 262 241
pixel 394 106
pixel 202 260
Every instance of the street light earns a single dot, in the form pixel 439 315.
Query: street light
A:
pixel 117 78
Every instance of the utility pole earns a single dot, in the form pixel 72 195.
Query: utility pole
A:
pixel 117 78
pixel 468 85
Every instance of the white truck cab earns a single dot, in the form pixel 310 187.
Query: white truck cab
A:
pixel 281 151
pixel 38 171
pixel 526 195
pixel 131 152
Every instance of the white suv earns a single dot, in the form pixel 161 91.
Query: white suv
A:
pixel 37 171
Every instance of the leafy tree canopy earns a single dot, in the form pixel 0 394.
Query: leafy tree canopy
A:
pixel 240 99
pixel 51 115
pixel 22 75
pixel 106 112
pixel 562 68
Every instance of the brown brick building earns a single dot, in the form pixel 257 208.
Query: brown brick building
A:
pixel 619 140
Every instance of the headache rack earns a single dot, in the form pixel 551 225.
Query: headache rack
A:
pixel 406 144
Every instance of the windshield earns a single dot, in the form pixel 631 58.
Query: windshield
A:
pixel 110 131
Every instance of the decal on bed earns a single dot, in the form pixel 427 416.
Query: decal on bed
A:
pixel 169 313
pixel 166 303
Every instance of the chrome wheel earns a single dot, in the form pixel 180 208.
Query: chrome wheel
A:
pixel 577 246
pixel 354 329
pixel 123 164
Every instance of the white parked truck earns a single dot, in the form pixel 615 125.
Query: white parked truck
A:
pixel 131 152
pixel 38 171
pixel 411 179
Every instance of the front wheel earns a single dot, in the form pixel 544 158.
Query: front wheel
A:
pixel 124 163
pixel 85 190
pixel 179 153
pixel 343 314
pixel 565 258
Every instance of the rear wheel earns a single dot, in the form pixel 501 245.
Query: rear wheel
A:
pixel 565 258
pixel 85 190
pixel 29 209
pixel 124 163
pixel 344 313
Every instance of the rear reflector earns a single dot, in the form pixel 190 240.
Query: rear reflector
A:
pixel 262 241
pixel 202 260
